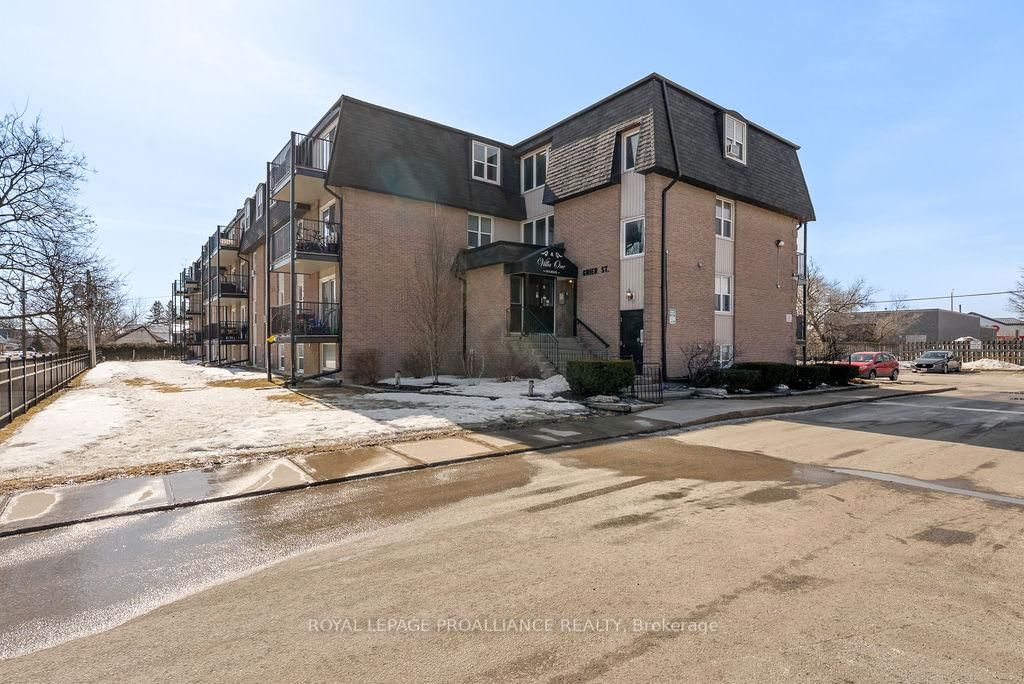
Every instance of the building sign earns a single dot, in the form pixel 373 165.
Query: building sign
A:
pixel 671 316
pixel 549 261
pixel 594 271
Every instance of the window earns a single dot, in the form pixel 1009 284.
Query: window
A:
pixel 534 170
pixel 540 231
pixel 723 218
pixel 480 230
pixel 486 160
pixel 300 358
pixel 735 139
pixel 723 293
pixel 259 202
pixel 280 357
pixel 633 237
pixel 723 355
pixel 630 145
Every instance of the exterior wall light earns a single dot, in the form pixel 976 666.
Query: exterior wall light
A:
pixel 629 294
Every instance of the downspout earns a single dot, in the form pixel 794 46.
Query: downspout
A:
pixel 804 312
pixel 664 220
pixel 266 268
pixel 341 278
pixel 292 227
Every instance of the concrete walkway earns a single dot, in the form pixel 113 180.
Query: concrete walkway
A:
pixel 28 511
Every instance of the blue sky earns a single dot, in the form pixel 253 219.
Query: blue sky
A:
pixel 909 114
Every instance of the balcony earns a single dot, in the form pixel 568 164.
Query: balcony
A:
pixel 227 285
pixel 801 267
pixel 227 237
pixel 228 332
pixel 311 157
pixel 314 241
pixel 312 319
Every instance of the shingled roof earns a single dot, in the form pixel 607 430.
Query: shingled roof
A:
pixel 385 151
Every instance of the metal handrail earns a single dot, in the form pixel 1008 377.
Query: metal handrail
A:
pixel 310 153
pixel 591 331
pixel 311 235
pixel 311 319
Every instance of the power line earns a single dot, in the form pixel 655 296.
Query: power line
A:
pixel 943 297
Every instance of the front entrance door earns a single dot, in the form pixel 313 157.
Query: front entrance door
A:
pixel 631 336
pixel 540 305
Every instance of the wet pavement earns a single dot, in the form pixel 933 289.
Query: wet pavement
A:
pixel 801 569
pixel 56 506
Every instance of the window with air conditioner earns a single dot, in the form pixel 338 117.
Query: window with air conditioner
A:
pixel 723 294
pixel 486 162
pixel 534 170
pixel 735 139
pixel 723 218
pixel 481 228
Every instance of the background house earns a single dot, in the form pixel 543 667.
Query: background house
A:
pixel 142 334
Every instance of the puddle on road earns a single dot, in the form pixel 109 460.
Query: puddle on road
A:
pixel 931 486
pixel 945 536
pixel 29 506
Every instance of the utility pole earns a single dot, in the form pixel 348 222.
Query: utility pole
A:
pixel 90 322
pixel 24 319
pixel 951 300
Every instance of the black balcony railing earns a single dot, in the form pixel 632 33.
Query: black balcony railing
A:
pixel 227 285
pixel 312 319
pixel 228 331
pixel 310 153
pixel 227 237
pixel 311 237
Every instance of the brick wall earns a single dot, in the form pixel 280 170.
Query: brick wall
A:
pixel 487 296
pixel 765 288
pixel 589 227
pixel 383 238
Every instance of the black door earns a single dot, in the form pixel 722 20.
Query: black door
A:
pixel 631 336
pixel 540 304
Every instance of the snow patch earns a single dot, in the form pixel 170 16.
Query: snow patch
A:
pixel 992 364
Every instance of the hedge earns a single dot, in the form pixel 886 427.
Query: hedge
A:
pixel 772 374
pixel 839 373
pixel 589 377
pixel 809 377
pixel 737 378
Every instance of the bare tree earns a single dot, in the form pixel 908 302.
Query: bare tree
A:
pixel 39 180
pixel 1017 296
pixel 829 308
pixel 703 359
pixel 890 326
pixel 434 294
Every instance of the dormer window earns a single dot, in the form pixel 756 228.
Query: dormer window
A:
pixel 630 146
pixel 735 139
pixel 259 203
pixel 486 162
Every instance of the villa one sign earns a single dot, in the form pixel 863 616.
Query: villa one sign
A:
pixel 549 261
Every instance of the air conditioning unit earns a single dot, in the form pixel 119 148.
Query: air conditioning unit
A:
pixel 733 149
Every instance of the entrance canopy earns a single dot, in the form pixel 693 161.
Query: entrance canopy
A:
pixel 520 259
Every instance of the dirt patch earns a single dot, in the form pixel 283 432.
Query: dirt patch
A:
pixel 770 495
pixel 787 583
pixel 672 496
pixel 945 536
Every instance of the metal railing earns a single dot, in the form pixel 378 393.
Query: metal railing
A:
pixel 647 384
pixel 228 331
pixel 311 236
pixel 24 382
pixel 310 153
pixel 312 319
pixel 546 343
pixel 600 340
pixel 227 285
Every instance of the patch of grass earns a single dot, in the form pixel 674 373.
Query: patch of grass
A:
pixel 245 383
pixel 157 385
pixel 292 397
pixel 7 430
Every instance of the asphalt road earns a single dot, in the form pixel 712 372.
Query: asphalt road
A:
pixel 731 552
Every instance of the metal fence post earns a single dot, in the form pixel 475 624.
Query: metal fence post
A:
pixel 10 391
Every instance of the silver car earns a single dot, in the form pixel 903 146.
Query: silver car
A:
pixel 938 361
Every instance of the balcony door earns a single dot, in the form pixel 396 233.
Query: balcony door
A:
pixel 329 302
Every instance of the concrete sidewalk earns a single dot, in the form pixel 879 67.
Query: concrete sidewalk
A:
pixel 22 512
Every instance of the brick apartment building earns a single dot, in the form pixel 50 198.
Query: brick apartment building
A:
pixel 648 222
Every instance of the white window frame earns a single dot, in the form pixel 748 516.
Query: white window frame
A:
pixel 735 132
pixel 531 159
pixel 622 237
pixel 625 146
pixel 479 233
pixel 549 237
pixel 259 203
pixel 280 357
pixel 724 301
pixel 300 358
pixel 323 356
pixel 473 162
pixel 720 220
pixel 723 354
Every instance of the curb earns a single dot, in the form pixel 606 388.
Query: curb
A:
pixel 726 417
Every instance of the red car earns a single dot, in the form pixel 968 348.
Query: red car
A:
pixel 873 364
